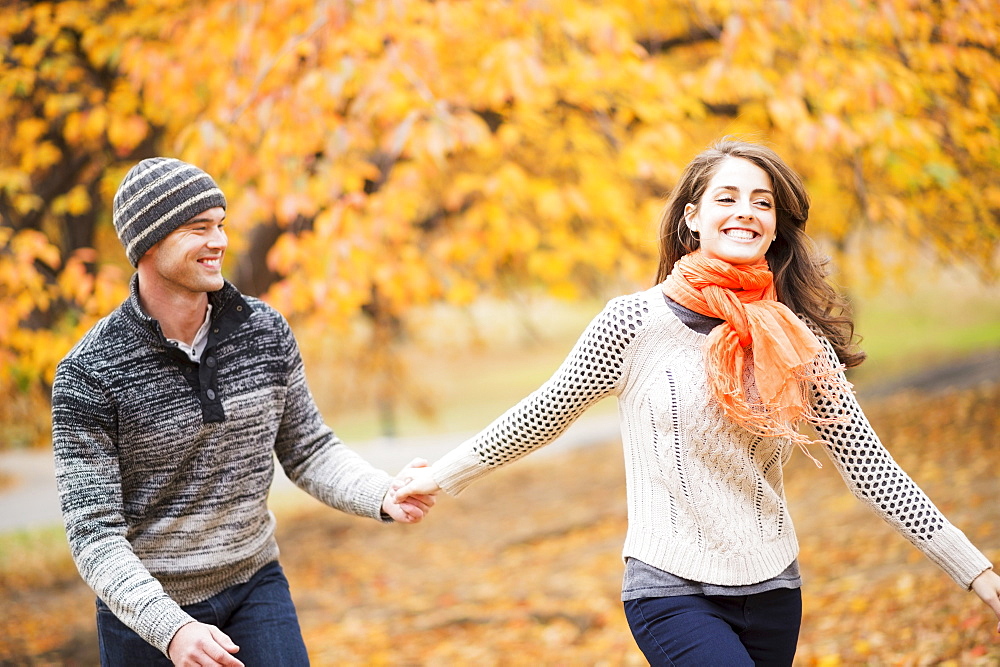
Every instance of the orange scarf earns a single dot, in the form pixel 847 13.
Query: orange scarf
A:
pixel 785 352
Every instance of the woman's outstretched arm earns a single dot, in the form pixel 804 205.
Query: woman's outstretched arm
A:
pixel 592 371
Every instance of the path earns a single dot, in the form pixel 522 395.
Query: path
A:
pixel 32 500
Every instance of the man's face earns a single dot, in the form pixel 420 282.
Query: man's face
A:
pixel 190 258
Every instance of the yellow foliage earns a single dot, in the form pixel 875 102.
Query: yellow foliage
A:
pixel 446 150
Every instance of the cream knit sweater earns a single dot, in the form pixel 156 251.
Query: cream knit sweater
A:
pixel 705 497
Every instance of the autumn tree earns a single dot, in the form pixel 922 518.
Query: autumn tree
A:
pixel 383 156
pixel 71 121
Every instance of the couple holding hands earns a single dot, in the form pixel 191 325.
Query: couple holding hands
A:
pixel 169 413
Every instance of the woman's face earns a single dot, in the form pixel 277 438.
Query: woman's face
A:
pixel 735 218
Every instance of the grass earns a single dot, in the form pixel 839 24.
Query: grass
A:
pixel 34 558
pixel 950 316
pixel 462 369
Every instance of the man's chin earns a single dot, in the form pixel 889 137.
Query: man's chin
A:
pixel 212 284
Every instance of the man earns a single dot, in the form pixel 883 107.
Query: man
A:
pixel 166 419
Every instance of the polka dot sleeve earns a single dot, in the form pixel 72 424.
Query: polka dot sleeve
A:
pixel 589 373
pixel 875 478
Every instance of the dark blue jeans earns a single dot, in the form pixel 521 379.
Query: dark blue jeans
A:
pixel 724 631
pixel 258 616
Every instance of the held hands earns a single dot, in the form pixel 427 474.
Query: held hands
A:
pixel 411 507
pixel 202 644
pixel 987 587
pixel 418 481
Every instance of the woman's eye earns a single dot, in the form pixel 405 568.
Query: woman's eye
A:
pixel 725 200
pixel 763 203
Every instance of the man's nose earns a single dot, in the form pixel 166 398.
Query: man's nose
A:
pixel 217 238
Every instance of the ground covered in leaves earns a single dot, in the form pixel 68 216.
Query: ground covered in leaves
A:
pixel 524 568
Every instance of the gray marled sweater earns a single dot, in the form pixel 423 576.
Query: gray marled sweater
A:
pixel 164 465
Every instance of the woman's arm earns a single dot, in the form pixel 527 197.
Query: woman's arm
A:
pixel 876 479
pixel 591 372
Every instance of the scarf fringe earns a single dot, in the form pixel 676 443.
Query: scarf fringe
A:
pixel 787 355
pixel 765 418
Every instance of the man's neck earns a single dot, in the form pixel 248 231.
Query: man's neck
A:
pixel 180 314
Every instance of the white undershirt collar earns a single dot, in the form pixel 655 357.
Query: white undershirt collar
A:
pixel 200 339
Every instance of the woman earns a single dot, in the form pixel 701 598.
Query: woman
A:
pixel 714 368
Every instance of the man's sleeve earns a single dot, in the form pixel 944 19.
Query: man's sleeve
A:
pixel 314 458
pixel 88 478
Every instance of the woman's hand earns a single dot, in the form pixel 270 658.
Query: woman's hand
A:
pixel 410 507
pixel 417 482
pixel 987 587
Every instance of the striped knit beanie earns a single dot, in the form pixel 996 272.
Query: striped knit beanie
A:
pixel 157 196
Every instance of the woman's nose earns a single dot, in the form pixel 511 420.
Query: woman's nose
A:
pixel 744 210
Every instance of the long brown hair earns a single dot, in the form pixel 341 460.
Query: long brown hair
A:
pixel 799 271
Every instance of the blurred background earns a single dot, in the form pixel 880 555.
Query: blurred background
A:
pixel 439 195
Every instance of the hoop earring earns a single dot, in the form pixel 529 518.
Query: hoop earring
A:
pixel 685 242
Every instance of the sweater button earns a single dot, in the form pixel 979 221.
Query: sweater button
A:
pixel 210 362
pixel 211 394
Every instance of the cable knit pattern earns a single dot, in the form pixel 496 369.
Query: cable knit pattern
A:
pixel 164 465
pixel 705 496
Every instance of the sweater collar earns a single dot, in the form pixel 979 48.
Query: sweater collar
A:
pixel 229 311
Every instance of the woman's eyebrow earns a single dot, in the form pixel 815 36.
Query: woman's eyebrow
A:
pixel 736 188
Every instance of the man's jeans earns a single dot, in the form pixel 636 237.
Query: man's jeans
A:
pixel 258 616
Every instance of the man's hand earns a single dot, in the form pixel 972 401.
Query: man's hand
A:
pixel 202 644
pixel 412 507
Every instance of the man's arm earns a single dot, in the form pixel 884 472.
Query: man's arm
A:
pixel 198 644
pixel 89 483
pixel 313 457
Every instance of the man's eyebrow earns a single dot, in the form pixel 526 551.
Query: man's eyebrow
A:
pixel 198 219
